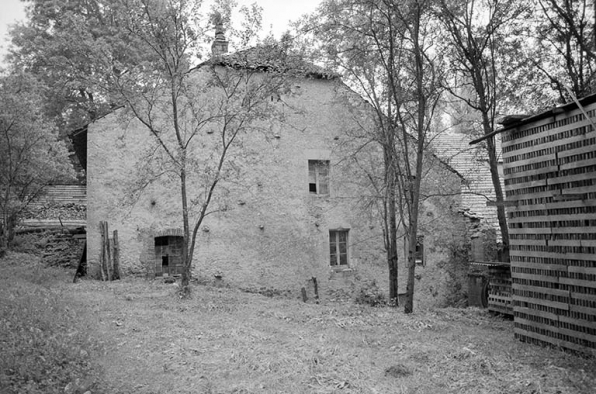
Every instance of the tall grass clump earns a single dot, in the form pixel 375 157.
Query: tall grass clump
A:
pixel 44 348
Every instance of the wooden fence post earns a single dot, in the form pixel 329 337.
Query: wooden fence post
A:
pixel 109 269
pixel 116 256
pixel 102 254
pixel 109 258
pixel 304 297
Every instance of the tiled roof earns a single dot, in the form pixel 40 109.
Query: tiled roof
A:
pixel 272 58
pixel 471 161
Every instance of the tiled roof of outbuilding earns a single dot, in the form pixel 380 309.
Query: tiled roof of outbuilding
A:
pixel 472 163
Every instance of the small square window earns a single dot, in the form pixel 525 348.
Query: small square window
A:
pixel 318 177
pixel 338 248
pixel 419 255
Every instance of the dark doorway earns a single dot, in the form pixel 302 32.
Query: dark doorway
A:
pixel 168 255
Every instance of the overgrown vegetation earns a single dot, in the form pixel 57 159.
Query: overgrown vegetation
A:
pixel 224 340
pixel 370 294
pixel 31 155
pixel 45 344
pixel 54 247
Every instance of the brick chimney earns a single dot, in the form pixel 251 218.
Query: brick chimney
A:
pixel 220 44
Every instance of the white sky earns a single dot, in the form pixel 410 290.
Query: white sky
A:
pixel 276 15
pixel 10 11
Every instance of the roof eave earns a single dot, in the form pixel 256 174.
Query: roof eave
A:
pixel 515 121
pixel 547 114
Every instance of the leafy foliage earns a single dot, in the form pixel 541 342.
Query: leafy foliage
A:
pixel 31 155
pixel 76 47
pixel 562 46
pixel 71 45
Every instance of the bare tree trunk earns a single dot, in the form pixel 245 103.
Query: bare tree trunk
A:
pixel 501 215
pixel 186 261
pixel 10 229
pixel 3 237
pixel 391 247
pixel 391 185
pixel 7 231
pixel 392 256
pixel 413 234
pixel 493 163
pixel 415 180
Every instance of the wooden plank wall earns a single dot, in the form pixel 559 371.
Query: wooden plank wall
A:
pixel 499 296
pixel 63 194
pixel 550 172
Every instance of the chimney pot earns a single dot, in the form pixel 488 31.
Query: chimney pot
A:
pixel 220 44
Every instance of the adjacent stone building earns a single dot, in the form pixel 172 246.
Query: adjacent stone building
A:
pixel 300 208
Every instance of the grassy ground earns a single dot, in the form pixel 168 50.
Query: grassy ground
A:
pixel 136 336
pixel 44 340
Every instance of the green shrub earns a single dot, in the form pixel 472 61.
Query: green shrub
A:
pixel 370 294
pixel 32 243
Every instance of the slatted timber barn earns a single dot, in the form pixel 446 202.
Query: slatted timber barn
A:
pixel 550 184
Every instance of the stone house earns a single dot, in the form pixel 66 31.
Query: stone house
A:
pixel 299 210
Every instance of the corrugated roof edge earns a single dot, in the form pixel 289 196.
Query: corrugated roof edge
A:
pixel 513 121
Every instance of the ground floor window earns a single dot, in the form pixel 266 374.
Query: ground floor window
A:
pixel 168 255
pixel 338 247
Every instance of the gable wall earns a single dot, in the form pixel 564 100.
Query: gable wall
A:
pixel 274 234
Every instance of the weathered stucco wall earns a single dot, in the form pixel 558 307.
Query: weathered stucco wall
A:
pixel 273 233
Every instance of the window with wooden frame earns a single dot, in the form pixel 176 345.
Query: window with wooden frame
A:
pixel 338 248
pixel 419 253
pixel 318 177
